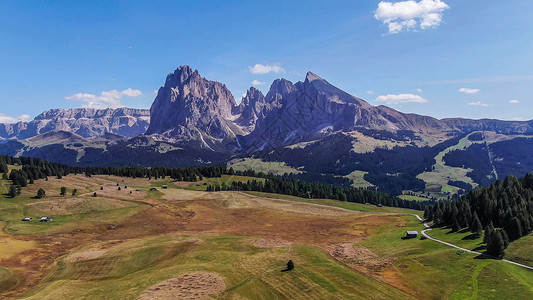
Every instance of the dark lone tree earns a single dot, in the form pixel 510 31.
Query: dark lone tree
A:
pixel 495 245
pixel 13 191
pixel 94 195
pixel 63 191
pixel 41 193
pixel 74 192
pixel 290 265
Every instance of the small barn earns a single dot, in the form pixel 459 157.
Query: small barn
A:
pixel 27 219
pixel 165 186
pixel 411 234
pixel 45 219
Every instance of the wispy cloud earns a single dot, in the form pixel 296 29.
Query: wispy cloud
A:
pixel 8 119
pixel 370 92
pixel 107 99
pixel 265 69
pixel 401 98
pixel 257 82
pixel 410 15
pixel 478 103
pixel 469 91
pixel 518 119
pixel 514 101
pixel 419 90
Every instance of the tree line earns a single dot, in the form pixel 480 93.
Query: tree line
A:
pixel 504 209
pixel 316 190
pixel 35 168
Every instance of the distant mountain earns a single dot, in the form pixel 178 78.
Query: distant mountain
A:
pixel 310 126
pixel 86 122
pixel 190 108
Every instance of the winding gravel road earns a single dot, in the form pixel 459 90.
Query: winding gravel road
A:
pixel 428 228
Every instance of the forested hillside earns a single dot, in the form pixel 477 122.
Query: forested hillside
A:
pixel 504 210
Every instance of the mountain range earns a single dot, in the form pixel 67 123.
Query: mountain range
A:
pixel 310 128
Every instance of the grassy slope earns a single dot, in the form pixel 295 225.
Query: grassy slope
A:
pixel 12 210
pixel 422 262
pixel 437 271
pixel 258 165
pixel 411 197
pixel 341 204
pixel 137 265
pixel 441 172
pixel 227 179
pixel 520 250
pixel 431 269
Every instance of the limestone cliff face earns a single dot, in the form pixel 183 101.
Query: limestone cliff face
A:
pixel 190 107
pixel 86 122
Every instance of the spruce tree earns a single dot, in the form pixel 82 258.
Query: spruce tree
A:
pixel 515 229
pixel 476 227
pixel 12 191
pixel 63 191
pixel 488 231
pixel 41 193
pixel 496 246
pixel 290 265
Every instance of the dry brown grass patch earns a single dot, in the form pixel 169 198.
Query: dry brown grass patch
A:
pixel 270 243
pixel 187 286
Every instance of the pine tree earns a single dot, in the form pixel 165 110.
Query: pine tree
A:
pixel 495 246
pixel 505 237
pixel 488 231
pixel 41 193
pixel 455 225
pixel 74 192
pixel 63 191
pixel 290 265
pixel 12 191
pixel 515 229
pixel 476 227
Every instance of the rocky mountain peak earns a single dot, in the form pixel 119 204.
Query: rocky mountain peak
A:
pixel 312 77
pixel 190 107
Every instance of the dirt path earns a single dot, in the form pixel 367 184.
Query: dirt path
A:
pixel 428 228
pixel 424 232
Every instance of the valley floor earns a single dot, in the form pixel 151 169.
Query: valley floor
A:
pixel 134 243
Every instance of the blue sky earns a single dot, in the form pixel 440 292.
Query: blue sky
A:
pixel 413 56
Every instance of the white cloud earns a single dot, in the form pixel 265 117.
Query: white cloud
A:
pixel 257 82
pixel 156 91
pixel 408 15
pixel 8 119
pixel 107 99
pixel 469 91
pixel 478 103
pixel 518 119
pixel 370 92
pixel 401 98
pixel 265 69
pixel 514 101
pixel 131 92
pixel 419 90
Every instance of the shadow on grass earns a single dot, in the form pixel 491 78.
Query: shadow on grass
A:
pixel 472 236
pixel 480 248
